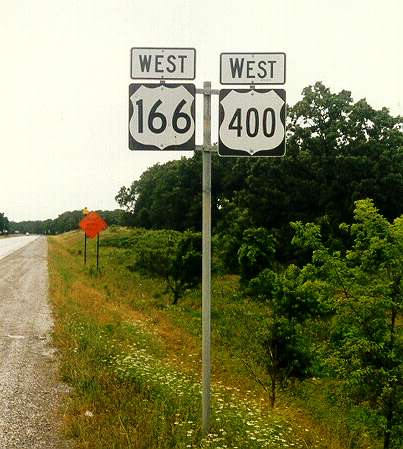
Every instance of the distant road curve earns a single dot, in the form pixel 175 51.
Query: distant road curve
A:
pixel 11 244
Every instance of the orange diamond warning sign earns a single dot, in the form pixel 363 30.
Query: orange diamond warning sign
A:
pixel 92 224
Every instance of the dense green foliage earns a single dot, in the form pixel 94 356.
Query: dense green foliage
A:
pixel 166 196
pixel 291 300
pixel 338 151
pixel 365 288
pixel 255 253
pixel 4 224
pixel 171 255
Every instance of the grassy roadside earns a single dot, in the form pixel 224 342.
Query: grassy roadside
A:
pixel 133 362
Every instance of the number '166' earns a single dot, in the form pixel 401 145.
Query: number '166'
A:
pixel 157 122
pixel 253 122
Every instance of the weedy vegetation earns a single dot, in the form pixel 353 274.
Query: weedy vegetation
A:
pixel 133 359
pixel 131 349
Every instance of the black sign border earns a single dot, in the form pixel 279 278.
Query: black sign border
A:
pixel 254 53
pixel 162 48
pixel 187 146
pixel 224 151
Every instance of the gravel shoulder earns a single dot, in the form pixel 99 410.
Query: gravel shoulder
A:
pixel 30 392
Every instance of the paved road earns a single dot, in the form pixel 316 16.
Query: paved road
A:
pixel 11 244
pixel 29 389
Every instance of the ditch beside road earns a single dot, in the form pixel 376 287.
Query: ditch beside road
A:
pixel 30 392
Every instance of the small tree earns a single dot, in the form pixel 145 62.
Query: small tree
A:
pixel 291 299
pixel 286 354
pixel 173 256
pixel 185 271
pixel 231 226
pixel 256 253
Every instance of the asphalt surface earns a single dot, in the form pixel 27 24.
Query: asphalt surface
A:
pixel 30 392
pixel 11 244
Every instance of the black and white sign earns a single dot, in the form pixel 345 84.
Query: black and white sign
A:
pixel 163 63
pixel 162 116
pixel 252 68
pixel 252 122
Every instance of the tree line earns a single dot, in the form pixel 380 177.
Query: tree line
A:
pixel 4 223
pixel 67 221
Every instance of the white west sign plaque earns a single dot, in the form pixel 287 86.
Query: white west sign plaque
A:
pixel 252 68
pixel 163 63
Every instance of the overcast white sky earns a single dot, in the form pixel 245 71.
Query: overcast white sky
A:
pixel 64 76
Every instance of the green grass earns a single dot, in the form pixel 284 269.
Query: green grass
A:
pixel 133 360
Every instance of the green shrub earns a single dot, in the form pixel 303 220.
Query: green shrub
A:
pixel 172 256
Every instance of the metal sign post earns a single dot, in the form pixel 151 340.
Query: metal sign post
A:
pixel 98 252
pixel 85 212
pixel 206 263
pixel 252 123
pixel 85 249
pixel 162 117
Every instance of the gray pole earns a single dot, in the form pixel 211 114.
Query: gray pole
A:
pixel 206 268
pixel 85 248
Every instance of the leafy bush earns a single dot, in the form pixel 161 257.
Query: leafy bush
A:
pixel 255 253
pixel 123 239
pixel 171 255
pixel 287 353
pixel 291 301
pixel 366 339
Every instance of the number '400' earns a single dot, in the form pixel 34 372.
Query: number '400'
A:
pixel 157 122
pixel 253 122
